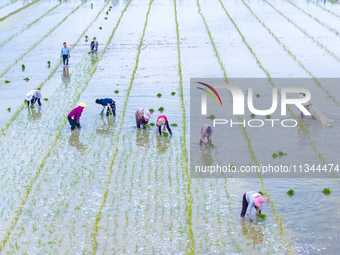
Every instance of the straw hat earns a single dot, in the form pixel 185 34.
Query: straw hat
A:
pixel 82 104
pixel 160 122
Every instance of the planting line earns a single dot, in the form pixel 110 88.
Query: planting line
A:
pixel 279 220
pixel 11 2
pixel 308 35
pixel 29 187
pixel 29 25
pixel 190 249
pixel 324 89
pixel 17 112
pixel 16 11
pixel 317 20
pixel 41 39
pixel 325 9
pixel 99 214
pixel 304 128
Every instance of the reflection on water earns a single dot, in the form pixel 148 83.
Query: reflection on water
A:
pixel 253 231
pixel 34 114
pixel 114 2
pixel 107 126
pixel 94 58
pixel 207 159
pixel 143 138
pixel 65 77
pixel 74 141
pixel 163 144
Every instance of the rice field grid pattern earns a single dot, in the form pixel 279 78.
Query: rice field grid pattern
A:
pixel 112 189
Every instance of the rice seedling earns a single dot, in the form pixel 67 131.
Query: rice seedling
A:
pixel 18 10
pixel 49 63
pixel 28 26
pixel 17 112
pixel 211 145
pixel 45 99
pixel 173 125
pixel 94 38
pixel 281 153
pixel 91 5
pixel 41 39
pixel 190 248
pixel 7 81
pixel 107 13
pixel 110 7
pixel 23 67
pixel 165 134
pixel 26 79
pixel 161 109
pixel 274 155
pixel 159 95
pixel 257 95
pixel 212 117
pixel 9 109
pixel 268 117
pixel 116 91
pixel 303 31
pixel 32 106
pixel 262 216
pixel 89 53
pixel 260 192
pixel 252 115
pixel 326 191
pixel 106 18
pixel 100 28
pixel 290 192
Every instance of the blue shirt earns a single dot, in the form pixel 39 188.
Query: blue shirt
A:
pixel 65 51
pixel 106 101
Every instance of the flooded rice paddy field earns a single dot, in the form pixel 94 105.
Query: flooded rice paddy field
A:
pixel 112 189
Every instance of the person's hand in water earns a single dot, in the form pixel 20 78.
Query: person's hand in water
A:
pixel 251 220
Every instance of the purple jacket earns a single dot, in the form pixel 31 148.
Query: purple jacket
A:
pixel 76 113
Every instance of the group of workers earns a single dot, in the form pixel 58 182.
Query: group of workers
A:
pixel 65 51
pixel 251 199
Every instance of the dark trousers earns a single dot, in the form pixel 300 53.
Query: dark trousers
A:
pixel 245 205
pixel 138 124
pixel 65 59
pixel 33 101
pixel 72 123
pixel 167 126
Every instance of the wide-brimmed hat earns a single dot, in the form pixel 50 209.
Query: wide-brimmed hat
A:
pixel 258 200
pixel 160 122
pixel 82 104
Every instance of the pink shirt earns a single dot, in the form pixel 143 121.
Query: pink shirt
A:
pixel 76 113
pixel 204 131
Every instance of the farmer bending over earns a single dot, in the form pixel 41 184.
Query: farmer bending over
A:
pixel 251 199
pixel 111 106
pixel 163 121
pixel 65 54
pixel 94 46
pixel 76 113
pixel 33 96
pixel 142 117
pixel 206 132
